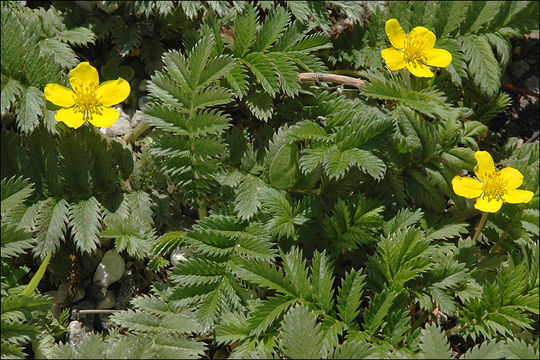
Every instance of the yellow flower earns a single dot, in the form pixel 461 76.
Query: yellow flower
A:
pixel 87 100
pixel 415 52
pixel 492 187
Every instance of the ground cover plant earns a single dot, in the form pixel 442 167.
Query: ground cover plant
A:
pixel 269 179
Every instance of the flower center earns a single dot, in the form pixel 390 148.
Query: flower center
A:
pixel 495 186
pixel 86 101
pixel 414 51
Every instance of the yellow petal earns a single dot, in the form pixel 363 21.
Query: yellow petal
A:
pixel 438 57
pixel 106 119
pixel 485 166
pixel 59 95
pixel 113 92
pixel 467 187
pixel 518 196
pixel 422 37
pixel 513 178
pixel 394 59
pixel 70 117
pixel 84 75
pixel 395 33
pixel 483 204
pixel 419 70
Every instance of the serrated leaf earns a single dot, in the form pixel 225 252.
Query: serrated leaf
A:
pixel 377 310
pixel 11 90
pixel 434 344
pixel 85 220
pixel 50 227
pixel 322 280
pixel 263 69
pixel 30 109
pixel 483 66
pixel 283 170
pixel 272 28
pixel 486 350
pixel 267 312
pixel 245 29
pixel 349 295
pixel 301 337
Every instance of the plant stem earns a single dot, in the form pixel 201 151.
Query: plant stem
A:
pixel 340 79
pixel 202 210
pixel 480 226
pixel 137 131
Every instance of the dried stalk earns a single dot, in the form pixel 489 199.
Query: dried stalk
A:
pixel 340 79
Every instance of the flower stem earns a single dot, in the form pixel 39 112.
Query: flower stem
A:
pixel 480 226
pixel 137 131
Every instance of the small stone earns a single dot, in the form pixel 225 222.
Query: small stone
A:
pixel 109 9
pixel 523 102
pixel 97 292
pixel 180 255
pixel 519 68
pixel 108 302
pixel 105 242
pixel 126 291
pixel 110 269
pixel 122 126
pixel 137 118
pixel 55 306
pixel 85 5
pixel 63 291
pixel 89 262
pixel 76 332
pixel 532 83
pixel 103 323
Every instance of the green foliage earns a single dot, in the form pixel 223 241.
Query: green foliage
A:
pixel 32 59
pixel 330 229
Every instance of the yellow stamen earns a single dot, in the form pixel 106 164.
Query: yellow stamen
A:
pixel 414 51
pixel 495 186
pixel 86 101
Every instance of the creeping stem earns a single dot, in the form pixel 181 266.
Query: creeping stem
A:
pixel 321 77
pixel 480 225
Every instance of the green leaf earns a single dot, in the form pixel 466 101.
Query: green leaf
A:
pixel 483 66
pixel 272 29
pixel 14 191
pixel 286 70
pixel 377 310
pixel 260 104
pixel 30 109
pixel 15 241
pixel 267 312
pixel 263 69
pixel 283 170
pixel 353 349
pixel 434 344
pixel 211 96
pixel 349 296
pixel 301 337
pixel 322 281
pixel 50 226
pixel 486 350
pixel 34 282
pixel 11 90
pixel 131 236
pixel 247 197
pixel 245 29
pixel 85 219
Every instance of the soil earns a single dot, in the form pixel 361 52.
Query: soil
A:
pixel 521 119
